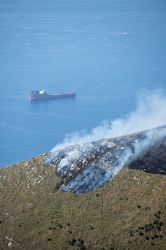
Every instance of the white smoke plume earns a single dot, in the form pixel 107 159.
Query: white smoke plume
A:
pixel 150 112
pixel 87 161
pixel 86 168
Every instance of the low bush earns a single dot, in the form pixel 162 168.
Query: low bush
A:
pixel 72 241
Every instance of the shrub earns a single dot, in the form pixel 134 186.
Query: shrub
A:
pixel 81 244
pixel 82 247
pixel 131 233
pixel 156 222
pixel 157 215
pixel 72 241
pixel 81 241
pixel 141 233
pixel 149 227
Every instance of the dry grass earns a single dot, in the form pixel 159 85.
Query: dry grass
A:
pixel 36 216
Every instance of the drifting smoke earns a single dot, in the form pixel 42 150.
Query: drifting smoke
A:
pixel 87 162
pixel 87 166
pixel 150 112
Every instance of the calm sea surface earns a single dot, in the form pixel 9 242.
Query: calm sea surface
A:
pixel 105 50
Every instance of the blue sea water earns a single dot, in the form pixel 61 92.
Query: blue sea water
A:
pixel 105 50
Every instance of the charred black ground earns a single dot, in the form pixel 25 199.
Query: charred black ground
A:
pixel 153 160
pixel 84 167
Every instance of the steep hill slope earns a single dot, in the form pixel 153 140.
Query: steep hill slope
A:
pixel 127 212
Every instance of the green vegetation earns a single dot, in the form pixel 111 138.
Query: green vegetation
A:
pixel 72 241
pixel 149 230
pixel 126 213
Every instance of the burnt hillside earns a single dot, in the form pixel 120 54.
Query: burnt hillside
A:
pixel 152 160
pixel 84 167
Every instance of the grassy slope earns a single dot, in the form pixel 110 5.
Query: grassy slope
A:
pixel 36 216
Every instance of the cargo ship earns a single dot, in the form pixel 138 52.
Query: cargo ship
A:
pixel 43 95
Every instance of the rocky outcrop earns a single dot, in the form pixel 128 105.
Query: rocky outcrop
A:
pixel 84 167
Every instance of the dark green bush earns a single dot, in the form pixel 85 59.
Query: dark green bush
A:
pixel 81 241
pixel 148 227
pixel 157 215
pixel 156 222
pixel 81 244
pixel 72 241
pixel 141 228
pixel 141 233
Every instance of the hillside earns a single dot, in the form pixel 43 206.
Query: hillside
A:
pixel 127 212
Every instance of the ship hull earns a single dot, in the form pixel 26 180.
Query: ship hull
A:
pixel 39 96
